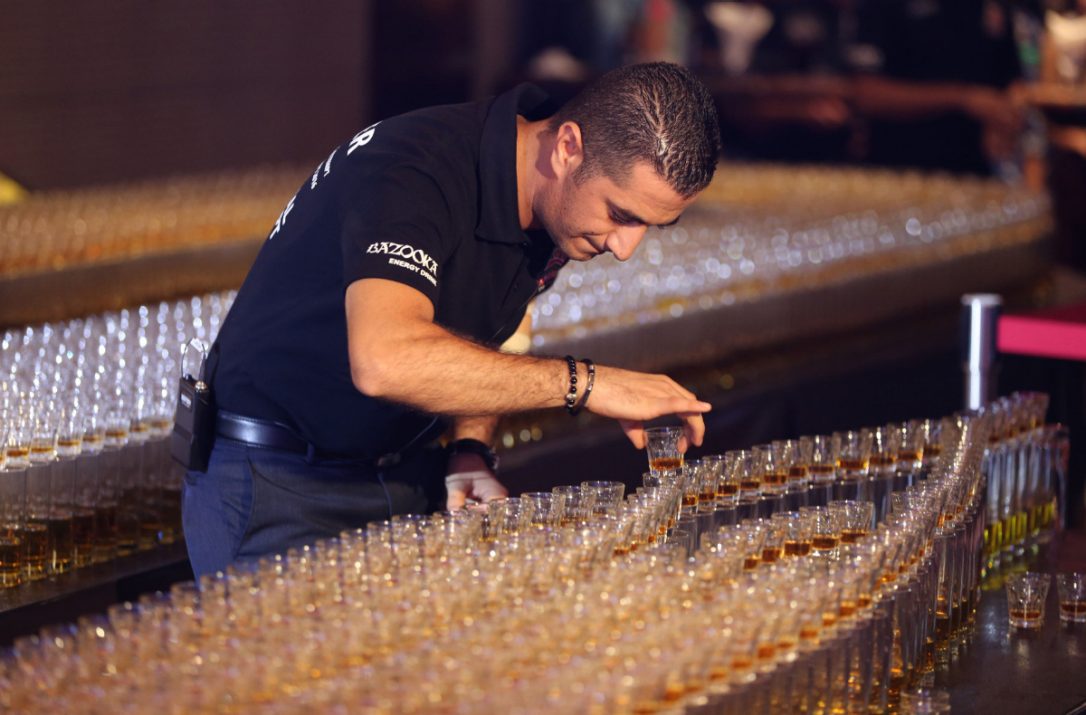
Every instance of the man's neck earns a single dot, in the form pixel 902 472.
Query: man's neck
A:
pixel 531 168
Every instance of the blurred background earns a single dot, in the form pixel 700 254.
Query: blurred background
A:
pixel 881 159
pixel 97 93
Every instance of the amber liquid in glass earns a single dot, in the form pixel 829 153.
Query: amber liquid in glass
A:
pixel 1073 610
pixel 128 522
pixel 11 557
pixel 151 527
pixel 36 556
pixel 61 545
pixel 105 532
pixel 796 548
pixel 665 464
pixel 774 479
pixel 83 535
pixel 851 536
pixel 18 453
pixel 69 443
pixel 852 464
pixel 727 490
pixel 824 542
pixel 942 626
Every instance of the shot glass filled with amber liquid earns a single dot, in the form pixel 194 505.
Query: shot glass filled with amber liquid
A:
pixel 1026 594
pixel 662 445
pixel 1072 592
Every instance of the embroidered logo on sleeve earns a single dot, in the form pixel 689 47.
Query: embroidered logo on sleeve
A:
pixel 408 257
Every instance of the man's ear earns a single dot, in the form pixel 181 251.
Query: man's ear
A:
pixel 568 151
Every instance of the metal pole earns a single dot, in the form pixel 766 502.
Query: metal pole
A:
pixel 980 320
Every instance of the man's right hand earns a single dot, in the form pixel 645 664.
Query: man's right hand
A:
pixel 634 397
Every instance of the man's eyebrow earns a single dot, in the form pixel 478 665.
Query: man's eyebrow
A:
pixel 621 215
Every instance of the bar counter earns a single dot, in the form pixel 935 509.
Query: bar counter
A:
pixel 991 668
pixel 998 669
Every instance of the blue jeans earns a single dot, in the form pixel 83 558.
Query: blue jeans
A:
pixel 255 502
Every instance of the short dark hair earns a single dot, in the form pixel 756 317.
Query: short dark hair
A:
pixel 656 112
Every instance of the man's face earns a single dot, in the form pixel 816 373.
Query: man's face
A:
pixel 598 216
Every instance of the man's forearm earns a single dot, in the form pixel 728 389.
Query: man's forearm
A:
pixel 433 370
pixel 398 353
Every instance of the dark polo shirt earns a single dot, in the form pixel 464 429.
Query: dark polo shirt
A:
pixel 427 199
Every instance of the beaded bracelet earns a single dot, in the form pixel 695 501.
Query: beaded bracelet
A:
pixel 571 396
pixel 588 386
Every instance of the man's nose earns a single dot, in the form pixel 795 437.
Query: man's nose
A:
pixel 624 240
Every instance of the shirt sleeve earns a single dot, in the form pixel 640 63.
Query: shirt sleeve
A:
pixel 396 225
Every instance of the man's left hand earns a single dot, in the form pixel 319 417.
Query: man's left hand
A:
pixel 469 478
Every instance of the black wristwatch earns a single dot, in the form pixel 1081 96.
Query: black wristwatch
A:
pixel 474 446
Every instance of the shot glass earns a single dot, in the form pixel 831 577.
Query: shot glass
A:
pixel 858 518
pixel 603 496
pixel 1072 591
pixel 539 508
pixel 662 445
pixel 1026 594
pixel 568 505
pixel 683 538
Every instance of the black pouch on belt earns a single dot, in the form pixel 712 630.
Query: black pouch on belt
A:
pixel 194 421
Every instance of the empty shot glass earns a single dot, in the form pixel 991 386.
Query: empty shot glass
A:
pixel 1026 594
pixel 602 496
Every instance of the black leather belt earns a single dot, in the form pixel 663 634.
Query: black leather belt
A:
pixel 272 435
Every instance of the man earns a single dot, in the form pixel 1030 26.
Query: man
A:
pixel 385 286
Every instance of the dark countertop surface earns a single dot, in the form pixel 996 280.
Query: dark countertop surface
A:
pixel 999 669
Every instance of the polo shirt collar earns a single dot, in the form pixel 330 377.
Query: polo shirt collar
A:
pixel 499 214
